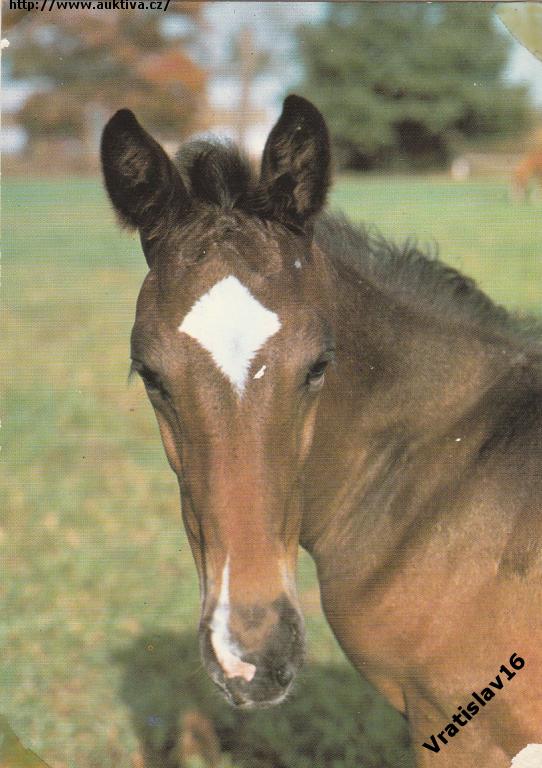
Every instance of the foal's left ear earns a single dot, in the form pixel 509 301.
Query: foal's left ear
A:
pixel 296 163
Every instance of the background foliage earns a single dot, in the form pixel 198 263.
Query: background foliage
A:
pixel 410 84
pixel 86 64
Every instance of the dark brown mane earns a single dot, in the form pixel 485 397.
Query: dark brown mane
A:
pixel 418 278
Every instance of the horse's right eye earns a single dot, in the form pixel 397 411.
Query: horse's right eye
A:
pixel 151 380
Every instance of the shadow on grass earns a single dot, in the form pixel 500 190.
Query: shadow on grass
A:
pixel 333 719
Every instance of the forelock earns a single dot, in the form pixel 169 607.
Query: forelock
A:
pixel 216 172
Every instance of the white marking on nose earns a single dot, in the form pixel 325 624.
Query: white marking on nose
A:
pixel 260 373
pixel 232 326
pixel 297 264
pixel 529 757
pixel 225 649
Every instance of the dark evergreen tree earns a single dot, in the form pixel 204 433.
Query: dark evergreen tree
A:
pixel 408 82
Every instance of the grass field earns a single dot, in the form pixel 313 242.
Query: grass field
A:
pixel 99 593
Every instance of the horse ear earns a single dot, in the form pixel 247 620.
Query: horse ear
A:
pixel 143 184
pixel 296 163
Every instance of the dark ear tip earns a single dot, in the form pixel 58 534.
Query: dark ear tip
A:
pixel 294 103
pixel 294 100
pixel 122 119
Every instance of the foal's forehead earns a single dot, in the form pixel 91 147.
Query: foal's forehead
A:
pixel 229 287
pixel 265 261
pixel 236 238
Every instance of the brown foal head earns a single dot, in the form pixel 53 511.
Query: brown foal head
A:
pixel 231 338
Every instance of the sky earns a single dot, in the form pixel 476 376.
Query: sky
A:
pixel 526 68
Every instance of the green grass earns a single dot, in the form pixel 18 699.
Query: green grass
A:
pixel 98 588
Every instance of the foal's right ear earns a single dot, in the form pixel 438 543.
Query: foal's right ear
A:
pixel 144 185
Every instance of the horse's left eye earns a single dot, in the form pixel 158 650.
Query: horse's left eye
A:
pixel 315 376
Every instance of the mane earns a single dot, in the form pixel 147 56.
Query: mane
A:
pixel 218 174
pixel 419 279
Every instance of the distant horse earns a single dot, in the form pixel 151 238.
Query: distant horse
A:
pixel 528 170
pixel 317 385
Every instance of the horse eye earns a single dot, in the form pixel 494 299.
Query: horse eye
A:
pixel 315 376
pixel 151 380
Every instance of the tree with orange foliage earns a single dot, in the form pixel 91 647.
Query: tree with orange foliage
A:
pixel 87 64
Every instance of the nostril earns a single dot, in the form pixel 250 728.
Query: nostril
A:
pixel 284 675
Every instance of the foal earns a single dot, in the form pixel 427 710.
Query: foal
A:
pixel 314 385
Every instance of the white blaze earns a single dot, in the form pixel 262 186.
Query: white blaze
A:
pixel 530 757
pixel 232 326
pixel 223 646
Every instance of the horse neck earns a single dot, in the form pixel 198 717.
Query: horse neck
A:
pixel 399 406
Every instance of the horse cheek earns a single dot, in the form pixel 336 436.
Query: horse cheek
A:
pixel 307 432
pixel 169 443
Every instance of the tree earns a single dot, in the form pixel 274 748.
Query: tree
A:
pixel 87 64
pixel 251 61
pixel 253 56
pixel 406 82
